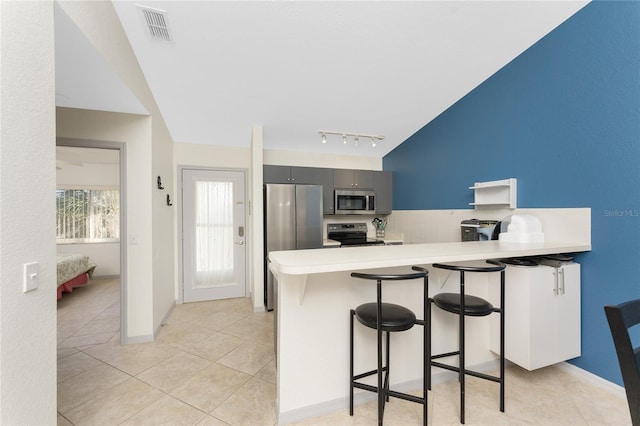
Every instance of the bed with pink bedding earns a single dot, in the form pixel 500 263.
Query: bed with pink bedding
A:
pixel 74 270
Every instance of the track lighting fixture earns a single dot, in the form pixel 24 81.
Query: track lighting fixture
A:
pixel 345 136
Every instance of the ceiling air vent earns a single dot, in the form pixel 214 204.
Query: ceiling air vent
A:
pixel 157 23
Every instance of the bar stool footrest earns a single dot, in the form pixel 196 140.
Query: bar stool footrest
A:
pixel 368 373
pixel 395 394
pixel 455 353
pixel 468 372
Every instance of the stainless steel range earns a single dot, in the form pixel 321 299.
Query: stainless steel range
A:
pixel 351 234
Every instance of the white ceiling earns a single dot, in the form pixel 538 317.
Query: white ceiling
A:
pixel 297 67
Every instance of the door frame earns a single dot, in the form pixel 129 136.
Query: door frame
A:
pixel 122 149
pixel 248 230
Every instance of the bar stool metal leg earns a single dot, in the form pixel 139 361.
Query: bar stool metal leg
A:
pixel 353 314
pixel 386 376
pixel 461 357
pixel 381 390
pixel 426 354
pixel 501 312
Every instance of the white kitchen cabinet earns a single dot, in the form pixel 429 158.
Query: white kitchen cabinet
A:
pixel 542 315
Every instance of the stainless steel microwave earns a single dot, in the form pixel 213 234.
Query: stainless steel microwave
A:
pixel 354 202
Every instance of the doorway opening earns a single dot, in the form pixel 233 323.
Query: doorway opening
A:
pixel 91 228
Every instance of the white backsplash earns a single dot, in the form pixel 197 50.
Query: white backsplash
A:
pixel 442 226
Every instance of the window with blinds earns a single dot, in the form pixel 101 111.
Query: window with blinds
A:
pixel 87 215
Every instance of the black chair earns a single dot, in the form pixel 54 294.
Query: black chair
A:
pixel 463 305
pixel 621 318
pixel 388 317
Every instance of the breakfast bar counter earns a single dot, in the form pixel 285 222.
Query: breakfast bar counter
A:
pixel 301 262
pixel 315 293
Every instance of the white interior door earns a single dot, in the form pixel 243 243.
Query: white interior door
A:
pixel 213 232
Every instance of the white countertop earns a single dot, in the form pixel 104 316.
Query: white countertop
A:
pixel 330 243
pixel 300 262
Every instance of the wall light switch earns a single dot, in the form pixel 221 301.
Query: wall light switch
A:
pixel 30 276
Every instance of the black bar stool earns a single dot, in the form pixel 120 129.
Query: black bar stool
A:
pixel 389 317
pixel 467 305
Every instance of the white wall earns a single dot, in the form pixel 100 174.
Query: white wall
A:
pixel 297 158
pixel 257 220
pixel 224 157
pixel 88 174
pixel 27 194
pixel 135 131
pixel 153 297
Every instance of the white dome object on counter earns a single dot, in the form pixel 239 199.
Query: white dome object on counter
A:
pixel 522 228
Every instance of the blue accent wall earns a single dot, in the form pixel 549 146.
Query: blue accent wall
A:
pixel 564 119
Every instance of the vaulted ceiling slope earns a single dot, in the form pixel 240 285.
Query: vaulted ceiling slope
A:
pixel 297 67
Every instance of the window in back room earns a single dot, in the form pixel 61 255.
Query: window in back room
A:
pixel 87 215
pixel 87 197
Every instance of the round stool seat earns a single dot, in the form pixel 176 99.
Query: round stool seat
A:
pixel 394 317
pixel 473 306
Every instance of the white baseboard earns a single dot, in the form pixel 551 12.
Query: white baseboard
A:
pixel 144 338
pixel 438 376
pixel 164 320
pixel 106 277
pixel 593 379
pixel 148 338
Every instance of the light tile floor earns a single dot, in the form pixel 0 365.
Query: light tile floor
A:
pixel 213 364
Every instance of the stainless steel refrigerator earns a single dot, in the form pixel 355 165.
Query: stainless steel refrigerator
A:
pixel 292 221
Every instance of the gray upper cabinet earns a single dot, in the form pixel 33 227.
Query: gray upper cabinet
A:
pixel 304 176
pixel 383 186
pixel 378 181
pixel 276 174
pixel 316 176
pixel 353 179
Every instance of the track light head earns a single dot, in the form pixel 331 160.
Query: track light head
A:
pixel 345 135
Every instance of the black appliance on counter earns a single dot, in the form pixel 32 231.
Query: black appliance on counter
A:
pixel 479 230
pixel 351 234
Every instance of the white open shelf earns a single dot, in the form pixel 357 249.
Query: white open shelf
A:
pixel 497 193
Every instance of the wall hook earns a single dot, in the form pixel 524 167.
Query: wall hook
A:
pixel 169 203
pixel 160 183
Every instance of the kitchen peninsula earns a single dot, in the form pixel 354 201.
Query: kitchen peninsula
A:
pixel 316 292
